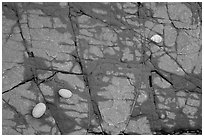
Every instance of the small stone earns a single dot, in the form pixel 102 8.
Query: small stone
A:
pixel 156 38
pixel 39 110
pixel 65 93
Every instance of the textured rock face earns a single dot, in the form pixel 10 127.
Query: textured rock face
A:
pixel 101 68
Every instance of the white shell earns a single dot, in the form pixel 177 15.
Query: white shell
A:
pixel 39 110
pixel 156 38
pixel 65 93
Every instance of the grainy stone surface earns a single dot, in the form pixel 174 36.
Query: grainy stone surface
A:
pixel 121 80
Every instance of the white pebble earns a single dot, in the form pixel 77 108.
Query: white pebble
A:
pixel 65 93
pixel 39 110
pixel 156 38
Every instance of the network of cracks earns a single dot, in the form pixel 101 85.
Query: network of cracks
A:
pixel 102 68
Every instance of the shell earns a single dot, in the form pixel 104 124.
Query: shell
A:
pixel 65 93
pixel 39 110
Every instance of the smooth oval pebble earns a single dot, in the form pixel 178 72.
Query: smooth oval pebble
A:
pixel 156 38
pixel 39 110
pixel 65 93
